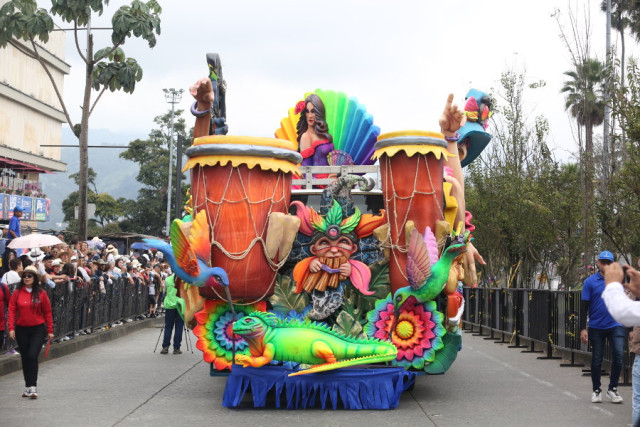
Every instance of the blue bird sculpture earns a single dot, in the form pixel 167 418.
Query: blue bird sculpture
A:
pixel 190 251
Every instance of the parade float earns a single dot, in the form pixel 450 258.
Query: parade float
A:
pixel 323 267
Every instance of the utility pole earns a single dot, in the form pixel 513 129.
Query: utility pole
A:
pixel 606 137
pixel 179 177
pixel 173 97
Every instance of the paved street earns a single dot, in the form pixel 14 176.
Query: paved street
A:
pixel 122 382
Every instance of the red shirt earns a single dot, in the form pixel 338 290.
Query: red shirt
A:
pixel 23 312
pixel 3 304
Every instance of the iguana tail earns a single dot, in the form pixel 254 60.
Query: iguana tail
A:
pixel 375 358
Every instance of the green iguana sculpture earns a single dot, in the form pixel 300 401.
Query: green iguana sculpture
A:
pixel 305 342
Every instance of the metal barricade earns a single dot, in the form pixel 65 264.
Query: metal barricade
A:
pixel 77 306
pixel 548 318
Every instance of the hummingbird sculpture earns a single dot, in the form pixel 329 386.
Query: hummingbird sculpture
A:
pixel 426 279
pixel 189 253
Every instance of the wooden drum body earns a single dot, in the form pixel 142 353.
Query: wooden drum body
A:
pixel 411 167
pixel 240 182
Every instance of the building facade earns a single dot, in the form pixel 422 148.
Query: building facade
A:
pixel 30 125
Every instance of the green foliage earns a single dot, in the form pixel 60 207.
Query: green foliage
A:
pixel 92 175
pixel 108 209
pixel 23 20
pixel 120 73
pixel 526 207
pixel 147 214
pixel 619 213
pixel 284 298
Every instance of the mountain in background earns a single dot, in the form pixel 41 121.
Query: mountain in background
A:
pixel 115 175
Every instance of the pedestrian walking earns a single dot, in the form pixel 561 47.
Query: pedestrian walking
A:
pixel 601 327
pixel 30 324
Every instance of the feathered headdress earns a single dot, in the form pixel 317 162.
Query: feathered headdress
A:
pixel 361 225
pixel 333 223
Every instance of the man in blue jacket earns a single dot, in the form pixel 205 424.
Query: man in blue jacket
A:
pixel 14 224
pixel 601 326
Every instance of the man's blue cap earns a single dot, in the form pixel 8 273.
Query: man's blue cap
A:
pixel 606 255
pixel 17 209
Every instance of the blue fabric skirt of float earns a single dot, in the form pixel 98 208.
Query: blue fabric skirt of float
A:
pixel 378 387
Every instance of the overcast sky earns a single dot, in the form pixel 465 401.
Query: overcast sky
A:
pixel 399 58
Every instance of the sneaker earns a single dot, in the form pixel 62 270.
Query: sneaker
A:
pixel 596 396
pixel 34 393
pixel 164 350
pixel 177 351
pixel 26 392
pixel 613 395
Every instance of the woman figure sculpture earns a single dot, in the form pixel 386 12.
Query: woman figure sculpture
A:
pixel 314 140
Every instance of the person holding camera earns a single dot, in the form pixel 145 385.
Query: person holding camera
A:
pixel 621 307
pixel 601 327
pixel 626 311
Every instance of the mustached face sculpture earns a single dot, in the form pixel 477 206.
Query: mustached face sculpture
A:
pixel 325 274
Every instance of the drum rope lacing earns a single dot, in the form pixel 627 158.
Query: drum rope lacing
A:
pixel 394 246
pixel 258 234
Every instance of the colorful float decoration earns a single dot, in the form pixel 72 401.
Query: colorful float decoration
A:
pixel 286 297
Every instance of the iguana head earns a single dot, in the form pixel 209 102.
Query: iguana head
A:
pixel 253 325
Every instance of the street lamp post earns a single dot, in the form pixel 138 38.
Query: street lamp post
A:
pixel 173 97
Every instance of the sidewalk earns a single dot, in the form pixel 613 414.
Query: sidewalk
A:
pixel 122 382
pixel 11 362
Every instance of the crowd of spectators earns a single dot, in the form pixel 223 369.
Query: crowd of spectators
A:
pixel 81 263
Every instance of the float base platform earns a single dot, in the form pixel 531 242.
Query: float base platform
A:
pixel 346 388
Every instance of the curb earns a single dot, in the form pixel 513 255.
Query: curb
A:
pixel 13 363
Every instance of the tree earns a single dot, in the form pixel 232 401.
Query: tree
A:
pixel 91 178
pixel 619 216
pixel 585 102
pixel 106 68
pixel 147 213
pixel 621 20
pixel 523 202
pixel 108 209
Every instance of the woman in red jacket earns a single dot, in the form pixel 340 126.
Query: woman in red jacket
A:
pixel 30 323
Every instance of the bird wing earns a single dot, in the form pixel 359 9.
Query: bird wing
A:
pixel 184 254
pixel 199 237
pixel 418 263
pixel 432 245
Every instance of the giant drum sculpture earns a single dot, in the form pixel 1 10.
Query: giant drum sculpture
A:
pixel 240 181
pixel 411 168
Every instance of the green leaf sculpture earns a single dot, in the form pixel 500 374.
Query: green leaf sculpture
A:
pixel 285 299
pixel 347 325
pixel 445 356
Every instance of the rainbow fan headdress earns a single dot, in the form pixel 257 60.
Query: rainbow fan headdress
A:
pixel 349 124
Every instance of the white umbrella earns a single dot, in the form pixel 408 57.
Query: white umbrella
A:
pixel 34 240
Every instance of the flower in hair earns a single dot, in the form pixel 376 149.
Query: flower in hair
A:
pixel 299 107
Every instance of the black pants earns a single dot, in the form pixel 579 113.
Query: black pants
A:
pixel 30 340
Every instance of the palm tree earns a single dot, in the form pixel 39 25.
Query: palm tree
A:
pixel 621 19
pixel 585 102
